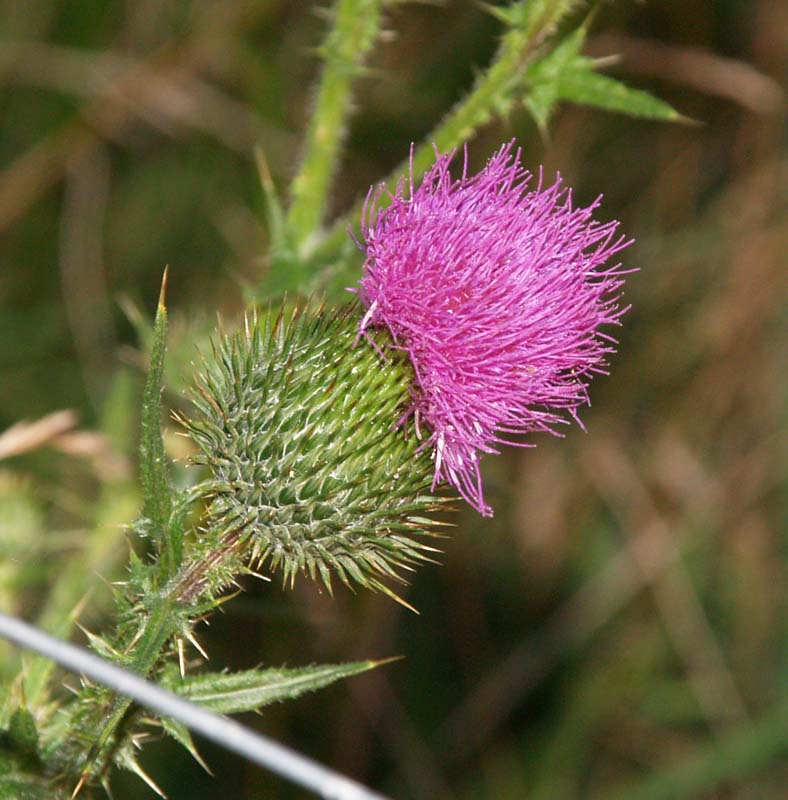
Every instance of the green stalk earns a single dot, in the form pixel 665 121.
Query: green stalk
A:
pixel 494 93
pixel 160 625
pixel 164 620
pixel 143 651
pixel 355 28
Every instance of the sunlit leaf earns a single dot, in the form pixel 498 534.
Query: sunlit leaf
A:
pixel 233 692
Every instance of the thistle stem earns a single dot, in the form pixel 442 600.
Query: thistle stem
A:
pixel 161 624
pixel 225 732
pixel 355 27
pixel 489 98
pixel 158 628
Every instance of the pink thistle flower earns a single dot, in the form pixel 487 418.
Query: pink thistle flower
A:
pixel 497 291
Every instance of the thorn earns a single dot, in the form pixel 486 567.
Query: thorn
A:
pixel 132 765
pixel 197 646
pixel 226 598
pixel 163 292
pixel 382 662
pixel 195 754
pixel 381 587
pixel 394 596
pixel 79 607
pixel 80 784
pixel 262 167
pixel 181 657
pixel 107 788
pixel 132 644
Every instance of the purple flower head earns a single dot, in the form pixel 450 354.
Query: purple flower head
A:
pixel 497 291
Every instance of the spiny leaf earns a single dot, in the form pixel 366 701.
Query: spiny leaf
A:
pixel 156 489
pixel 586 87
pixel 234 692
pixel 543 76
pixel 178 731
pixel 565 74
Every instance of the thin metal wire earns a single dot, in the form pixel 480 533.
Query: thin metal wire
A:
pixel 229 734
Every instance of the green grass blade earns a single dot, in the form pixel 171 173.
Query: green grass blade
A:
pixel 105 545
pixel 733 759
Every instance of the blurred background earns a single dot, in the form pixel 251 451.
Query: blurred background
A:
pixel 619 629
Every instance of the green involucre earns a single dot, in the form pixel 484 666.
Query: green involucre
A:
pixel 296 421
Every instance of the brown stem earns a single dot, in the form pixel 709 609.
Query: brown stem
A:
pixel 193 581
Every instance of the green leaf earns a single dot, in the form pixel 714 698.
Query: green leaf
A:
pixel 178 731
pixel 543 77
pixel 565 74
pixel 19 757
pixel 156 489
pixel 589 88
pixel 22 733
pixel 233 692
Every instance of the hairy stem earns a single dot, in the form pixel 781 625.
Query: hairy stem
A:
pixel 529 24
pixel 355 27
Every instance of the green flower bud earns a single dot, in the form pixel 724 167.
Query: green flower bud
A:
pixel 297 422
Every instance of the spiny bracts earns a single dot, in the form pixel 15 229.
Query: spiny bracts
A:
pixel 296 421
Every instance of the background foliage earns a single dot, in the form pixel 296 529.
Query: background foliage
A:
pixel 618 629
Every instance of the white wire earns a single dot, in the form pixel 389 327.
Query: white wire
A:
pixel 229 734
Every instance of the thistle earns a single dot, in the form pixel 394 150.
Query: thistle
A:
pixel 480 309
pixel 497 292
pixel 484 300
pixel 478 320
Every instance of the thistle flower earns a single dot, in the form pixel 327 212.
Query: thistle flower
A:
pixel 497 292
